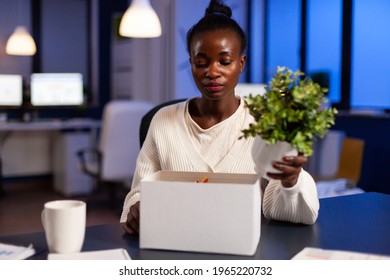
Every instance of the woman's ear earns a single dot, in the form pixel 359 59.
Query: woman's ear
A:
pixel 242 63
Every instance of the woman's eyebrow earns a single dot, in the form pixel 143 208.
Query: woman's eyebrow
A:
pixel 222 53
pixel 228 52
pixel 200 54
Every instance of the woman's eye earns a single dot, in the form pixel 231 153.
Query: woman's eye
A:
pixel 200 64
pixel 226 62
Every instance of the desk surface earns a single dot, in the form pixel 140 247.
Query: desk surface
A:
pixel 359 223
pixel 49 124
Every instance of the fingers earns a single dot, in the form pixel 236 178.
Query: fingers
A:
pixel 290 168
pixel 132 223
pixel 127 228
pixel 290 165
pixel 298 161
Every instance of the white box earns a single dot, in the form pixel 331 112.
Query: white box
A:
pixel 220 216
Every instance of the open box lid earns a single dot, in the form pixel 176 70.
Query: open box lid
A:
pixel 218 178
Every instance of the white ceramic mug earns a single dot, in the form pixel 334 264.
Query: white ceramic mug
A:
pixel 64 222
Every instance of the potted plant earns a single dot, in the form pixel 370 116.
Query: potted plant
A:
pixel 290 114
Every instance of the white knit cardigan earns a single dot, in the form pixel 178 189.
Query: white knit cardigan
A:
pixel 174 143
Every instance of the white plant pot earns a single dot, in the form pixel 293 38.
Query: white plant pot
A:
pixel 265 155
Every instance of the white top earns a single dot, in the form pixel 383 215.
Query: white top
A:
pixel 175 142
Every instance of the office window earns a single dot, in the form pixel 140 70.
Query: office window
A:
pixel 370 81
pixel 324 25
pixel 64 42
pixel 283 35
pixel 256 28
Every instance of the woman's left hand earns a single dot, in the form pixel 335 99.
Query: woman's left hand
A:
pixel 290 168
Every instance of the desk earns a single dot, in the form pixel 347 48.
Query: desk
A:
pixel 54 124
pixel 79 124
pixel 358 223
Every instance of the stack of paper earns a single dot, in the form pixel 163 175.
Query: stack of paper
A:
pixel 309 253
pixel 114 254
pixel 12 252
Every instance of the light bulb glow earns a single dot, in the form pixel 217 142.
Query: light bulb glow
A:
pixel 20 43
pixel 140 21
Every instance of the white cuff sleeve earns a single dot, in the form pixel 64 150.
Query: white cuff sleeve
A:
pixel 298 204
pixel 131 198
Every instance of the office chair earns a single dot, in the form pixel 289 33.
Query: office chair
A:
pixel 147 118
pixel 112 162
pixel 348 174
pixel 351 160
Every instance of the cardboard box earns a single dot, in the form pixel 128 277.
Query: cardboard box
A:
pixel 220 216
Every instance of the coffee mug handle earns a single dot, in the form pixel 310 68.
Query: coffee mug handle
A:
pixel 43 218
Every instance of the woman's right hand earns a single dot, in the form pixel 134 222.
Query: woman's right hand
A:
pixel 131 225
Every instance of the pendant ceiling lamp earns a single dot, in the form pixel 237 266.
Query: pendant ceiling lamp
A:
pixel 140 21
pixel 20 43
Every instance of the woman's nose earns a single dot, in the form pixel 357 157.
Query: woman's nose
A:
pixel 213 70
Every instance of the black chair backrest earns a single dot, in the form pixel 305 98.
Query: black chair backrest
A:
pixel 147 118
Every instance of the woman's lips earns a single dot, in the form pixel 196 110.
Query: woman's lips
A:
pixel 213 87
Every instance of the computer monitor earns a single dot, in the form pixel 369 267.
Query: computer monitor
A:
pixel 11 91
pixel 56 90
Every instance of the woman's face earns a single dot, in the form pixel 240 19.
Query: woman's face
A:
pixel 216 62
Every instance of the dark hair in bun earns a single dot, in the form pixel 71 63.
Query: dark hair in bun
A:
pixel 217 6
pixel 217 16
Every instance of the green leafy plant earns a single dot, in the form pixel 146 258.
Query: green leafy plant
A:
pixel 291 110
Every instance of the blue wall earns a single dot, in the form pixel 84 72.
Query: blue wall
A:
pixel 370 54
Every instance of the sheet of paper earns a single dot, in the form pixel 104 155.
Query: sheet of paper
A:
pixel 12 252
pixel 114 254
pixel 310 253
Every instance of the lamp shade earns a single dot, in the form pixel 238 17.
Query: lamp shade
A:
pixel 140 21
pixel 20 43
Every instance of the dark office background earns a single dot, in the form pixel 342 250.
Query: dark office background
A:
pixel 343 42
pixel 346 40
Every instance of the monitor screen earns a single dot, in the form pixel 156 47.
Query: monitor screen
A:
pixel 11 90
pixel 56 89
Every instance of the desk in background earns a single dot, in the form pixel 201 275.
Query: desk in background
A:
pixel 49 124
pixel 359 223
pixel 68 137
